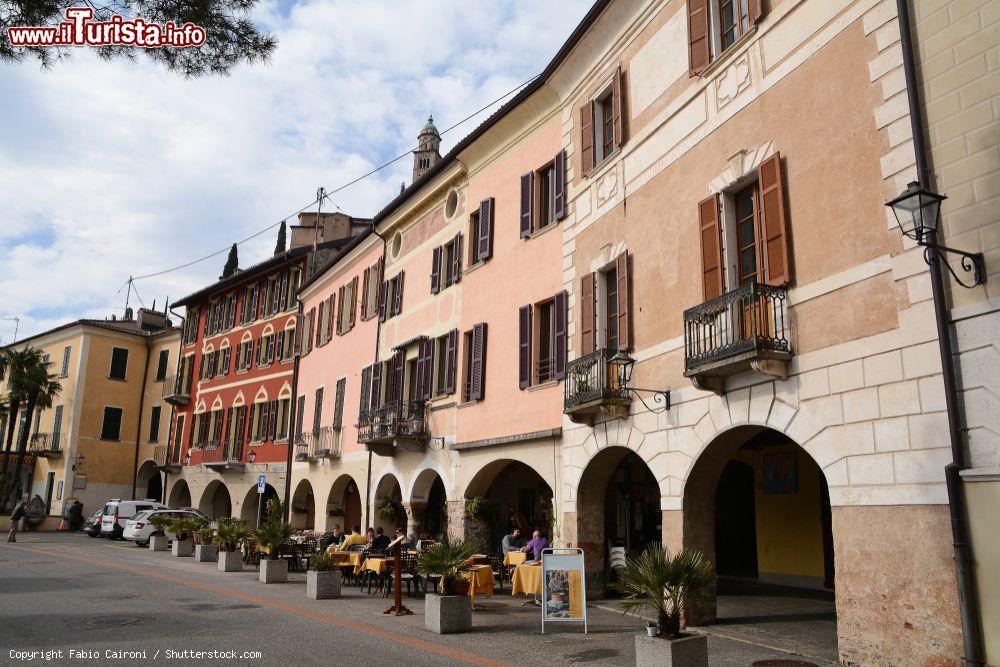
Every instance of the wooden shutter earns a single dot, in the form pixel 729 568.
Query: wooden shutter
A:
pixel 773 225
pixel 527 203
pixel 428 375
pixel 524 347
pixel 561 327
pixel 280 345
pixel 624 301
pixel 423 389
pixel 588 320
pixel 338 403
pixel 383 296
pixel 398 364
pixel 477 363
pixel 452 365
pixel 339 319
pixel 352 315
pixel 617 109
pixel 397 295
pixel 436 270
pixel 318 411
pixel 271 347
pixel 485 241
pixel 332 323
pixel 698 47
pixel 456 258
pixel 755 10
pixel 298 334
pixel 587 138
pixel 365 283
pixel 366 389
pixel 227 428
pixel 272 422
pixel 559 186
pixel 711 247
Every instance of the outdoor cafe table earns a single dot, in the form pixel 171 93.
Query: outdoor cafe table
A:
pixel 480 581
pixel 377 565
pixel 514 558
pixel 527 579
pixel 349 558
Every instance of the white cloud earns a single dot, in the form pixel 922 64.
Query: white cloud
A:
pixel 112 169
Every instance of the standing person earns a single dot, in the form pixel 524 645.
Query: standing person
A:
pixel 511 542
pixel 15 518
pixel 535 546
pixel 75 516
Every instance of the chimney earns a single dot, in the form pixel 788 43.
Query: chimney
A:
pixel 150 319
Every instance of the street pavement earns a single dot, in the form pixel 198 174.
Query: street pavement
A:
pixel 117 604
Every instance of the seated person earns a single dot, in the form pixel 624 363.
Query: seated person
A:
pixel 335 539
pixel 369 536
pixel 354 538
pixel 380 542
pixel 410 543
pixel 512 542
pixel 535 546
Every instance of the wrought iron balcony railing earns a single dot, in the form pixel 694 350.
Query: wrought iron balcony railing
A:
pixel 318 444
pixel 177 389
pixel 397 419
pixel 214 453
pixel 43 443
pixel 742 329
pixel 593 386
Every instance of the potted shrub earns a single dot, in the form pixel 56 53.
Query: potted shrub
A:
pixel 478 508
pixel 323 580
pixel 183 530
pixel 271 534
pixel 667 584
pixel 450 610
pixel 158 539
pixel 230 534
pixel 387 511
pixel 206 550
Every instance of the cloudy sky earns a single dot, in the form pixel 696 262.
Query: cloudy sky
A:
pixel 116 169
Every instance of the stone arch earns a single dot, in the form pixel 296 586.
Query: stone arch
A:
pixel 303 510
pixel 388 489
pixel 518 496
pixel 251 500
pixel 260 396
pixel 285 391
pixel 217 403
pixel 215 500
pixel 239 400
pixel 268 330
pixel 180 494
pixel 200 406
pixel 149 481
pixel 344 504
pixel 427 503
pixel 290 323
pixel 421 481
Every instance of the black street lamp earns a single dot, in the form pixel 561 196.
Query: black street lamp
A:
pixel 252 456
pixel 918 214
pixel 187 459
pixel 624 365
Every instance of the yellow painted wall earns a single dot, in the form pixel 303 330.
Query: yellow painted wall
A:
pixel 983 499
pixel 169 341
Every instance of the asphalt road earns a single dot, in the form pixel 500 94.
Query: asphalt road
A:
pixel 115 603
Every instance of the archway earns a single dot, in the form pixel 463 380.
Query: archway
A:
pixel 428 510
pixel 252 501
pixel 303 514
pixel 618 513
pixel 388 511
pixel 149 482
pixel 215 500
pixel 343 504
pixel 180 495
pixel 516 497
pixel 757 505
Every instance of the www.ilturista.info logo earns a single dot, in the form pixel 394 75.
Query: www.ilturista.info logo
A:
pixel 79 30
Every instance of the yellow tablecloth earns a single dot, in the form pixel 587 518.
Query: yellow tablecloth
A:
pixel 481 581
pixel 514 558
pixel 354 558
pixel 527 579
pixel 376 565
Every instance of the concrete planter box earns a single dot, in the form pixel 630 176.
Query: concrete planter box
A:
pixel 230 561
pixel 206 553
pixel 272 571
pixel 323 585
pixel 159 543
pixel 182 549
pixel 689 651
pixel 447 614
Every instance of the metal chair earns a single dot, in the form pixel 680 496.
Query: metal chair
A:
pixel 496 564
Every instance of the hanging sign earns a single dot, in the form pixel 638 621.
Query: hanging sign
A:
pixel 261 481
pixel 564 590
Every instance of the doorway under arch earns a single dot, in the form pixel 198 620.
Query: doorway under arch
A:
pixel 180 495
pixel 303 514
pixel 517 496
pixel 343 504
pixel 253 500
pixel 428 506
pixel 149 482
pixel 388 494
pixel 215 500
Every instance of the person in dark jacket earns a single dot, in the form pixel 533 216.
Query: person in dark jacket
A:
pixel 15 518
pixel 75 516
pixel 380 542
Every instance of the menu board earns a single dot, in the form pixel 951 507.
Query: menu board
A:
pixel 564 590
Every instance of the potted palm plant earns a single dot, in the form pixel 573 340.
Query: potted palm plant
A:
pixel 158 539
pixel 271 535
pixel 667 584
pixel 206 551
pixel 323 580
pixel 451 610
pixel 230 534
pixel 183 529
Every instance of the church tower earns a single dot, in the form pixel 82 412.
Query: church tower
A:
pixel 427 154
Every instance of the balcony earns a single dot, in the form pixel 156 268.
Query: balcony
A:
pixel 395 425
pixel 44 444
pixel 592 388
pixel 315 445
pixel 167 457
pixel 221 456
pixel 177 390
pixel 745 329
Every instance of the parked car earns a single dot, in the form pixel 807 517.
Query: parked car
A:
pixel 116 511
pixel 138 528
pixel 92 524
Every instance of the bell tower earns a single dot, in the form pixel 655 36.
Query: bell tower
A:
pixel 427 153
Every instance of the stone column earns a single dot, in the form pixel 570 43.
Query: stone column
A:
pixel 414 516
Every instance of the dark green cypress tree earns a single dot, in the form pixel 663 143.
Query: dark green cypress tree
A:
pixel 231 263
pixel 279 247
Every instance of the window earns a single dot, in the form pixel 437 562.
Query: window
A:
pixel 546 340
pixel 318 411
pixel 348 306
pixel 442 356
pixel 154 424
pixel 284 405
pixel 475 363
pixel 366 392
pixel 391 303
pixel 249 310
pixel 370 290
pixel 222 364
pixel 543 196
pixel 601 124
pixel 119 363
pixel 161 365
pixel 191 325
pixel 446 269
pixel 481 232
pixel 441 370
pixel 715 26
pixel 178 438
pixel 64 372
pixel 286 350
pixel 265 349
pixel 542 337
pixel 56 427
pixel 611 299
pixel 300 409
pixel 605 307
pixel 112 424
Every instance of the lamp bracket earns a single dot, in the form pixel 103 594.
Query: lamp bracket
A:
pixel 661 397
pixel 971 262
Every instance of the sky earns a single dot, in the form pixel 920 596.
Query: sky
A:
pixel 115 169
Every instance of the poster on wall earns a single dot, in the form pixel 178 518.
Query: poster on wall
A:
pixel 564 593
pixel 79 481
pixel 780 473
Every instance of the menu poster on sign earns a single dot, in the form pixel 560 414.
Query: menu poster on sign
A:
pixel 564 596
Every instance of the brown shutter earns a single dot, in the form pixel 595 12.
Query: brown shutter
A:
pixel 624 301
pixel 272 426
pixel 477 365
pixel 618 108
pixel 456 258
pixel 559 187
pixel 428 368
pixel 452 361
pixel 588 339
pixel 352 316
pixel 397 295
pixel 711 247
pixel 280 347
pixel 376 385
pixel 398 364
pixel 527 203
pixel 698 49
pixel 312 326
pixel 365 283
pixel 524 347
pixel 383 297
pixel 773 225
pixel 271 347
pixel 436 270
pixel 755 10
pixel 338 403
pixel 341 294
pixel 366 389
pixel 561 328
pixel 587 138
pixel 485 241
pixel 419 375
pixel 319 324
pixel 298 335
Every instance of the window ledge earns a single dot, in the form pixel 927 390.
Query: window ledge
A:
pixel 441 403
pixel 544 385
pixel 727 55
pixel 547 228
pixel 468 404
pixel 117 379
pixel 473 267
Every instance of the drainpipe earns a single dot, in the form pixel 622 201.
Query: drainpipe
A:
pixel 138 422
pixel 293 403
pixel 378 333
pixel 967 598
pixel 173 408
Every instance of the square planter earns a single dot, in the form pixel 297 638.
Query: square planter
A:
pixel 230 561
pixel 159 543
pixel 688 651
pixel 206 553
pixel 272 571
pixel 447 614
pixel 182 548
pixel 323 585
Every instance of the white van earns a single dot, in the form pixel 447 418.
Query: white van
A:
pixel 116 511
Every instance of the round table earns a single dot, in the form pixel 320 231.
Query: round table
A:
pixel 527 579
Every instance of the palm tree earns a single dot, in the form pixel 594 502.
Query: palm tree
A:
pixel 37 388
pixel 11 364
pixel 666 583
